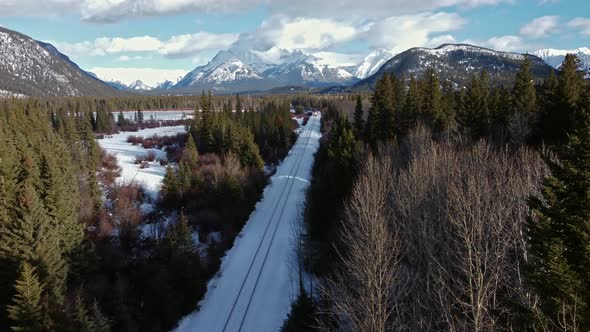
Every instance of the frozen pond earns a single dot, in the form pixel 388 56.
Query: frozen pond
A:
pixel 150 178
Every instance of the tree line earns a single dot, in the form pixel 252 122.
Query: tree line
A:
pixel 73 249
pixel 462 208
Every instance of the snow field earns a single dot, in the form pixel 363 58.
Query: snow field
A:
pixel 149 178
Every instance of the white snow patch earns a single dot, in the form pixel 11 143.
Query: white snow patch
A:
pixel 149 178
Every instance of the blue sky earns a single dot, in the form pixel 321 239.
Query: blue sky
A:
pixel 161 39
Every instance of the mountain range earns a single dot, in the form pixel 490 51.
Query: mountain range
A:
pixel 457 63
pixel 32 68
pixel 555 57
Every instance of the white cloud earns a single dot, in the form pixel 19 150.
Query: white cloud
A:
pixel 582 24
pixel 149 76
pixel 177 46
pixel 37 7
pixel 442 39
pixel 307 34
pixel 114 10
pixel 507 43
pixel 133 44
pixel 540 27
pixel 117 10
pixel 125 58
pixel 402 32
pixel 338 59
pixel 190 44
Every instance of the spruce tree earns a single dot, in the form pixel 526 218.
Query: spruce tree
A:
pixel 409 116
pixel 27 312
pixel 571 82
pixel 170 186
pixel 101 322
pixel 31 237
pixel 432 112
pixel 524 94
pixel 358 116
pixel 559 235
pixel 60 195
pixel 82 317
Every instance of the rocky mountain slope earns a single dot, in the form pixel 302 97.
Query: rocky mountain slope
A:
pixel 457 63
pixel 31 68
pixel 555 57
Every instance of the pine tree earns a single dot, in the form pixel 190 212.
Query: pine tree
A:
pixel 474 116
pixel 432 112
pixel 180 236
pixel 358 116
pixel 238 104
pixel 524 94
pixel 31 237
pixel 380 124
pixel 559 235
pixel 562 103
pixel 83 320
pixel 571 82
pixel 27 312
pixel 101 322
pixel 190 154
pixel 409 116
pixel 60 195
pixel 170 186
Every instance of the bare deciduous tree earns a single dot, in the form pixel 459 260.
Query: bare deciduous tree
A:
pixel 362 291
pixel 444 227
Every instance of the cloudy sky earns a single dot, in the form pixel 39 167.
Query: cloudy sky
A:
pixel 157 39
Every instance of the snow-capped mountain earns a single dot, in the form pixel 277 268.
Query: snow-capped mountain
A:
pixel 32 68
pixel 265 69
pixel 373 62
pixel 457 63
pixel 118 85
pixel 555 57
pixel 225 73
pixel 311 70
pixel 138 85
pixel 166 85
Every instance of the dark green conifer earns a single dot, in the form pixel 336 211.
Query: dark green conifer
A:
pixel 27 312
pixel 358 116
pixel 559 235
pixel 524 94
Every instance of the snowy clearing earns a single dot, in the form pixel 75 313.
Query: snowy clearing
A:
pixel 149 178
pixel 158 115
pixel 257 285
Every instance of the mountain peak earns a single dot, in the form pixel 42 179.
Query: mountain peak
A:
pixel 457 63
pixel 555 57
pixel 37 68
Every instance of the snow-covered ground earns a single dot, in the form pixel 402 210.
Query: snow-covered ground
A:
pixel 159 115
pixel 150 178
pixel 256 284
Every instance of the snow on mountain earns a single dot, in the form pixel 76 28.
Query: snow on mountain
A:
pixel 456 63
pixel 118 85
pixel 373 62
pixel 138 85
pixel 224 67
pixel 29 67
pixel 555 57
pixel 166 85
